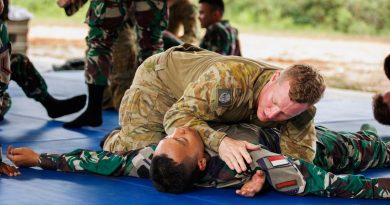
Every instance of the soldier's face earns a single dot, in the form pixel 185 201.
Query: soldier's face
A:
pixel 184 143
pixel 207 15
pixel 274 103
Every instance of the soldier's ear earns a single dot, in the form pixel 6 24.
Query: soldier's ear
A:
pixel 276 75
pixel 202 162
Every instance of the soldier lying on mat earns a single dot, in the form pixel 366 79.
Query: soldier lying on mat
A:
pixel 180 160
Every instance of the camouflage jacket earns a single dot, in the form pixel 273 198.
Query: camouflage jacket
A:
pixel 222 38
pixel 217 88
pixel 294 177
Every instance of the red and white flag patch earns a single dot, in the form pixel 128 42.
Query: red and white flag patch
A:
pixel 277 160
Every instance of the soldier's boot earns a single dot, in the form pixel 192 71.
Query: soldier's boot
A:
pixel 58 108
pixel 92 116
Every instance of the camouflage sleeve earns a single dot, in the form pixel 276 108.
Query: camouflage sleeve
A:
pixel 322 183
pixel 200 103
pixel 298 177
pixel 216 39
pixel 298 136
pixel 130 163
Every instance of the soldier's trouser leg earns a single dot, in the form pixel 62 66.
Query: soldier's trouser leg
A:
pixel 142 111
pixel 151 20
pixel 343 152
pixel 123 68
pixel 34 86
pixel 323 183
pixel 27 77
pixel 104 20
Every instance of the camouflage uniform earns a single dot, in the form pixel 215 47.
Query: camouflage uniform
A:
pixel 28 78
pixel 212 87
pixel 183 13
pixel 106 17
pixel 222 38
pixel 284 174
pixel 124 58
pixel 124 66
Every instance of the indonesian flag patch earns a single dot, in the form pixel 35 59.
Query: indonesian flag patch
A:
pixel 277 160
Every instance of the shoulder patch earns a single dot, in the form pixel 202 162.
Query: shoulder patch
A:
pixel 224 97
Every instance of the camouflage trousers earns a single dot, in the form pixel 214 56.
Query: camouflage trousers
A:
pixel 124 66
pixel 28 78
pixel 106 17
pixel 142 110
pixel 348 152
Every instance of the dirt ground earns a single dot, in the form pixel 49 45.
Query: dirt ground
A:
pixel 355 63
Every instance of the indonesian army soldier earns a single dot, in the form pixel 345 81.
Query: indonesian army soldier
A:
pixel 212 87
pixel 183 155
pixel 220 36
pixel 124 56
pixel 105 19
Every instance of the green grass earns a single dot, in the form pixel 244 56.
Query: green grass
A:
pixel 47 12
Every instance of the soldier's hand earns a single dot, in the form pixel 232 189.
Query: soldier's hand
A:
pixel 9 170
pixel 253 186
pixel 23 157
pixel 234 152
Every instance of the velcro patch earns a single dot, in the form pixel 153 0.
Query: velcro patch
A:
pixel 286 184
pixel 224 97
pixel 277 160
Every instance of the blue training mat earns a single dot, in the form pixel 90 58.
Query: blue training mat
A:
pixel 27 124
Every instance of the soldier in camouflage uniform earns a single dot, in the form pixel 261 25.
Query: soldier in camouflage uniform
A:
pixel 105 19
pixel 124 57
pixel 182 14
pixel 284 174
pixel 217 88
pixel 220 36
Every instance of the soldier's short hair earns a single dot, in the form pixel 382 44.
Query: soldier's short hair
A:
pixel 386 66
pixel 172 177
pixel 306 84
pixel 215 4
pixel 381 110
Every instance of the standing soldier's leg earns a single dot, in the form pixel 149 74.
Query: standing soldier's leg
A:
pixel 104 18
pixel 151 20
pixel 124 65
pixel 142 111
pixel 343 152
pixel 34 86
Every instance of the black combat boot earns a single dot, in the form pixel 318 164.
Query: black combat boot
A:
pixel 58 108
pixel 93 115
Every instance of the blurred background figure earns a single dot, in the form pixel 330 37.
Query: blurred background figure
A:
pixel 220 36
pixel 182 24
